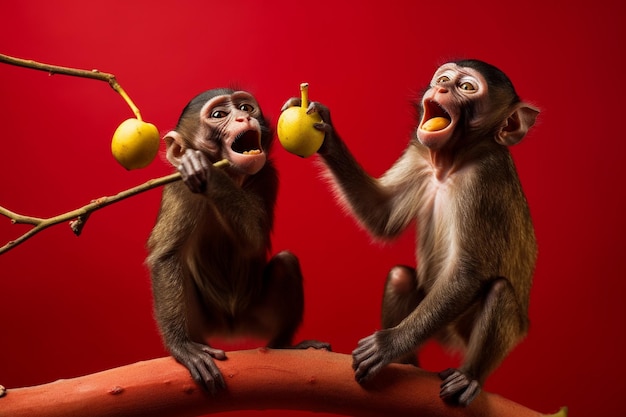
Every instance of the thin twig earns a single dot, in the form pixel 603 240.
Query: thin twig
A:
pixel 80 215
pixel 55 69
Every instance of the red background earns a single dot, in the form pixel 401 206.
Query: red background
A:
pixel 71 306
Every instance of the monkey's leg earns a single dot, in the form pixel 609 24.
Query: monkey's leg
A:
pixel 401 297
pixel 283 301
pixel 179 317
pixel 497 329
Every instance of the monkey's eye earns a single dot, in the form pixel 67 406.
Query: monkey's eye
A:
pixel 443 79
pixel 248 108
pixel 467 86
pixel 219 114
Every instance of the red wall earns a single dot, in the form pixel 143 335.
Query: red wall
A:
pixel 71 306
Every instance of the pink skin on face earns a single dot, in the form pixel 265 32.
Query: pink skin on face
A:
pixel 451 87
pixel 235 117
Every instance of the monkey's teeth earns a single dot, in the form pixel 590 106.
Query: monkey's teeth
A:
pixel 252 152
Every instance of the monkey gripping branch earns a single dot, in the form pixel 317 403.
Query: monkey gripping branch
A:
pixel 262 379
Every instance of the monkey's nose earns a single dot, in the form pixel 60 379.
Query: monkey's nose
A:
pixel 242 116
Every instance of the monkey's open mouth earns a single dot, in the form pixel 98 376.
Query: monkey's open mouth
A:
pixel 435 117
pixel 247 142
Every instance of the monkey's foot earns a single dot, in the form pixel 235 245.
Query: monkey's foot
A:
pixel 457 387
pixel 315 344
pixel 198 359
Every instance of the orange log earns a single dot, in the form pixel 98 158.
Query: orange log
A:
pixel 259 379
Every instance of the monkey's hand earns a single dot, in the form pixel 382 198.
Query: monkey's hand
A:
pixel 325 126
pixel 458 387
pixel 373 353
pixel 198 358
pixel 194 169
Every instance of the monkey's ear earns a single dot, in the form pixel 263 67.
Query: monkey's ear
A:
pixel 517 124
pixel 175 146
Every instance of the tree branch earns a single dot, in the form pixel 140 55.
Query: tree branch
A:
pixel 55 69
pixel 80 215
pixel 263 379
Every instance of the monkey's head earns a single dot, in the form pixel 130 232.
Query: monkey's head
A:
pixel 478 101
pixel 223 123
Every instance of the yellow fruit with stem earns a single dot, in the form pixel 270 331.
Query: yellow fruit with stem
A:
pixel 135 143
pixel 295 128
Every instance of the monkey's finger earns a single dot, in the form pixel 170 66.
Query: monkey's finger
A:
pixel 198 370
pixel 204 162
pixel 208 374
pixel 368 369
pixel 365 344
pixel 292 102
pixel 322 110
pixel 216 375
pixel 446 373
pixel 324 127
pixel 192 170
pixel 470 393
pixel 313 107
pixel 456 384
pixel 362 356
pixel 315 344
pixel 218 354
pixel 199 163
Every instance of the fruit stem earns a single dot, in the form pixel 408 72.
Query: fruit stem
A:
pixel 304 92
pixel 114 84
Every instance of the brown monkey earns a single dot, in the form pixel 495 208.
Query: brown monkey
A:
pixel 476 246
pixel 208 252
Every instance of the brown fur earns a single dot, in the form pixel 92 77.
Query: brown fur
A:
pixel 476 247
pixel 209 249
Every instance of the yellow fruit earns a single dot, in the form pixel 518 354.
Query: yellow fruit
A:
pixel 295 128
pixel 135 143
pixel 436 123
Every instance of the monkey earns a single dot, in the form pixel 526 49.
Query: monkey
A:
pixel 208 253
pixel 476 246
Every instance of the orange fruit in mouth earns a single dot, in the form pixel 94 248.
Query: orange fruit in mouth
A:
pixel 436 123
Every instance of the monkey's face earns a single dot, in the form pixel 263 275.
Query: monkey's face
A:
pixel 455 94
pixel 232 130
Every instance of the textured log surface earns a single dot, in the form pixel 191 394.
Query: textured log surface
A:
pixel 259 379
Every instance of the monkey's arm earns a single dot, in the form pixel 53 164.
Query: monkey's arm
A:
pixel 243 205
pixel 379 204
pixel 450 296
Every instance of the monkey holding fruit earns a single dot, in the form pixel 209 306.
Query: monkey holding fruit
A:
pixel 476 247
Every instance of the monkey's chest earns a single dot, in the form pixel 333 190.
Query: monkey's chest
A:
pixel 437 233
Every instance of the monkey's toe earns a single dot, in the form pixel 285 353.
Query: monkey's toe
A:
pixel 458 388
pixel 315 344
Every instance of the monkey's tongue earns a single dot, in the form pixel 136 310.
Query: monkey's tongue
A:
pixel 436 123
